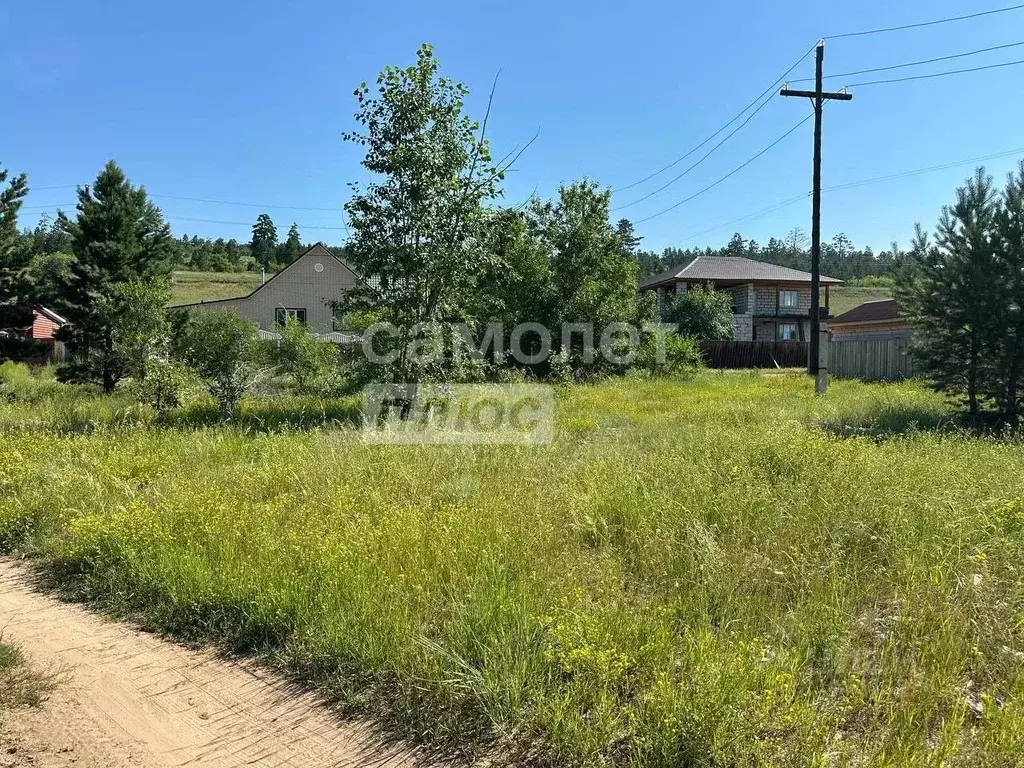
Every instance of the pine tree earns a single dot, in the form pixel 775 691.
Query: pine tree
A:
pixel 118 238
pixel 291 249
pixel 264 240
pixel 1007 303
pixel 945 289
pixel 13 255
pixel 630 241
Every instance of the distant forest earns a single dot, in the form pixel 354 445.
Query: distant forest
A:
pixel 50 247
pixel 839 257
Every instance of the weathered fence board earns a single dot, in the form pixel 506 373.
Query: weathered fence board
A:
pixel 755 354
pixel 871 360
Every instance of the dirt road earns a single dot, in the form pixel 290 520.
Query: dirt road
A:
pixel 131 699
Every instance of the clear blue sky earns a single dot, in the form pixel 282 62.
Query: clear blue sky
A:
pixel 246 102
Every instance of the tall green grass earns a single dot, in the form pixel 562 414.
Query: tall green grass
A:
pixel 694 573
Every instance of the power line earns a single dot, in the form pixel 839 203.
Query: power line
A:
pixel 206 200
pixel 919 171
pixel 245 223
pixel 751 216
pixel 853 184
pixel 936 74
pixel 728 175
pixel 926 23
pixel 742 112
pixel 335 209
pixel 672 181
pixel 915 63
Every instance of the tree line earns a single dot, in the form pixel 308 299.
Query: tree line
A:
pixel 839 257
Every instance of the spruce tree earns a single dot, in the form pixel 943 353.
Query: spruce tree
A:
pixel 13 255
pixel 1007 301
pixel 292 247
pixel 264 240
pixel 946 290
pixel 119 237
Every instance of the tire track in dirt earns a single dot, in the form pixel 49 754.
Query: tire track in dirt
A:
pixel 132 699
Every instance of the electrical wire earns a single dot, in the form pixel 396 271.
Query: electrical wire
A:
pixel 919 171
pixel 242 223
pixel 207 200
pixel 728 175
pixel 750 216
pixel 926 23
pixel 336 209
pixel 914 63
pixel 676 178
pixel 710 138
pixel 936 74
pixel 851 185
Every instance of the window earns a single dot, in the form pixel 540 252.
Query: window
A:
pixel 788 299
pixel 282 315
pixel 789 332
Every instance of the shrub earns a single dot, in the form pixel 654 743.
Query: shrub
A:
pixel 702 313
pixel 665 353
pixel 312 364
pixel 226 351
pixel 165 384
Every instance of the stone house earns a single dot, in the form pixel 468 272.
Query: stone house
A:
pixel 770 303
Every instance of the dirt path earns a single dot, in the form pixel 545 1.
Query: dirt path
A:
pixel 131 699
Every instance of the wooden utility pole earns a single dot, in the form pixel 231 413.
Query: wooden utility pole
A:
pixel 818 97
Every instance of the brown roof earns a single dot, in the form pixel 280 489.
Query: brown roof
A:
pixel 883 310
pixel 734 269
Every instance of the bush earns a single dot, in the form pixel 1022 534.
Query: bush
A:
pixel 225 349
pixel 165 384
pixel 18 382
pixel 665 353
pixel 702 313
pixel 312 364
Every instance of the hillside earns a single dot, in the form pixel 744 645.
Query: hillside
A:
pixel 188 287
pixel 843 298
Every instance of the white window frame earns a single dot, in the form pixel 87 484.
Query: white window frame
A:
pixel 796 332
pixel 788 292
pixel 284 314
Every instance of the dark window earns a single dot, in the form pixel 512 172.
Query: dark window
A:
pixel 789 332
pixel 283 314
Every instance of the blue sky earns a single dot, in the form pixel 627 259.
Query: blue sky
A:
pixel 246 102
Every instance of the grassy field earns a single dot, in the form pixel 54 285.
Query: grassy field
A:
pixel 724 571
pixel 188 287
pixel 843 298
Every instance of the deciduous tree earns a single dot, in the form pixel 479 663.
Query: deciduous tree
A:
pixel 416 233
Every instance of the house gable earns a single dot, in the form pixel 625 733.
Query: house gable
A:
pixel 305 286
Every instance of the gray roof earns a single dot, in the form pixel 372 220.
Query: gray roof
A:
pixel 731 269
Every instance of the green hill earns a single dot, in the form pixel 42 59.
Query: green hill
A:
pixel 187 287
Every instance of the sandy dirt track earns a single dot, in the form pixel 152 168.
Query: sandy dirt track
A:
pixel 132 699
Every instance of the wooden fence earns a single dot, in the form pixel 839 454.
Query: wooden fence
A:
pixel 872 360
pixel 755 354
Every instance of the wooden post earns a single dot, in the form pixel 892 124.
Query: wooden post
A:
pixel 818 98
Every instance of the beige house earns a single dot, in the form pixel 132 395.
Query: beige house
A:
pixel 769 302
pixel 303 290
